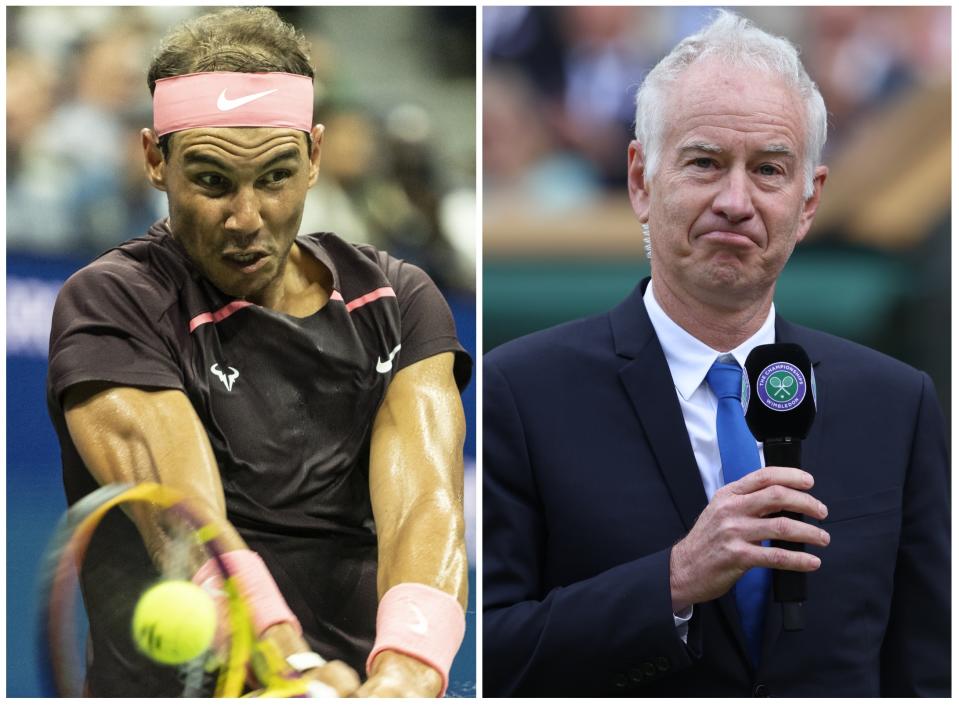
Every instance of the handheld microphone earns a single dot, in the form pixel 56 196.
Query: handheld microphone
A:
pixel 780 401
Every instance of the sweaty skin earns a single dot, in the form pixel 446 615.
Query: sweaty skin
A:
pixel 236 200
pixel 125 434
pixel 416 486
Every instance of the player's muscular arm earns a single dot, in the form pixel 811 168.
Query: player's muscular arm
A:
pixel 416 487
pixel 126 434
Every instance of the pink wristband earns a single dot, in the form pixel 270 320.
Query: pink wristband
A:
pixel 422 622
pixel 256 585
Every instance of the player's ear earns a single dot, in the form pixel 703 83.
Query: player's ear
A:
pixel 153 162
pixel 811 204
pixel 316 134
pixel 637 181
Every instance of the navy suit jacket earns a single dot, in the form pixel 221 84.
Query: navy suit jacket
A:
pixel 589 479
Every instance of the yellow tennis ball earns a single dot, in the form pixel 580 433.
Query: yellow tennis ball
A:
pixel 174 622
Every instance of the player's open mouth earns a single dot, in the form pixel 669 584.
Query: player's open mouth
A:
pixel 246 262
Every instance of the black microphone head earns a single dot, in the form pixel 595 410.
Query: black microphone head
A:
pixel 780 392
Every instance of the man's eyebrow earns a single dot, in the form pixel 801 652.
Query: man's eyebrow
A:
pixel 778 149
pixel 202 158
pixel 709 148
pixel 701 147
pixel 292 153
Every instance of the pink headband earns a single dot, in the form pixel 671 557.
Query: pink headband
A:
pixel 224 99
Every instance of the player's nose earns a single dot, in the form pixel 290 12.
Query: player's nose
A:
pixel 243 214
pixel 734 200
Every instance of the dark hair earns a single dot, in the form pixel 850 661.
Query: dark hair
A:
pixel 244 39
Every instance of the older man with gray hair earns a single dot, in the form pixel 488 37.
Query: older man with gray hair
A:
pixel 627 520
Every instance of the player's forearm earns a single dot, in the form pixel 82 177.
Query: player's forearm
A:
pixel 132 435
pixel 427 547
pixel 416 491
pixel 416 480
pixel 418 507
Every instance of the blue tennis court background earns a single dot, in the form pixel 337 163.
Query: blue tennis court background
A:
pixel 34 491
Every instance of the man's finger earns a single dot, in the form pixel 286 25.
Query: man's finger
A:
pixel 786 529
pixel 779 498
pixel 338 676
pixel 782 559
pixel 367 690
pixel 379 688
pixel 769 476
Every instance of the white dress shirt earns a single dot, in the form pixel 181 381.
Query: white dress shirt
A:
pixel 689 359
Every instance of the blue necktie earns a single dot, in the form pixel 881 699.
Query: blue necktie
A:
pixel 737 448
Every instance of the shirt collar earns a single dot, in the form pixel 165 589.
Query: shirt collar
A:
pixel 689 358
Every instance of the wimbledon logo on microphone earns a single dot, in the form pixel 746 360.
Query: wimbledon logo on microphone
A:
pixel 781 386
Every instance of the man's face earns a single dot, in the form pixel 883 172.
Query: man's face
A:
pixel 236 197
pixel 725 206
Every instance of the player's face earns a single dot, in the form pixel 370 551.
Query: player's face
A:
pixel 236 198
pixel 725 206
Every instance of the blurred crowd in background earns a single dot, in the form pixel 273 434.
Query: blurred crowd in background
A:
pixel 558 114
pixel 559 83
pixel 395 88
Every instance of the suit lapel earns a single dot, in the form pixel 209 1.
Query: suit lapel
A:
pixel 646 379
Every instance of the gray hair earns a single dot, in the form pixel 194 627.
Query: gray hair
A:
pixel 737 41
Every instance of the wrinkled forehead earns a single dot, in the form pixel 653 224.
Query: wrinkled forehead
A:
pixel 714 95
pixel 238 144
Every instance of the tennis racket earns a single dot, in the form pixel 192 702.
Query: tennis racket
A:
pixel 193 536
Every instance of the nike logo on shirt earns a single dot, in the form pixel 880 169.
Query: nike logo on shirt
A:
pixel 224 104
pixel 384 366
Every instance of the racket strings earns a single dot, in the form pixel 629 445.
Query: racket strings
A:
pixel 190 538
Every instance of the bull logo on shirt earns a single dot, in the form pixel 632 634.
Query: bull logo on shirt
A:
pixel 227 378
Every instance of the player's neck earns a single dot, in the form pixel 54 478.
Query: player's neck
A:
pixel 720 328
pixel 303 287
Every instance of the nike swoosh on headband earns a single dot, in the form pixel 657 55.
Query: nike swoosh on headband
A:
pixel 273 99
pixel 224 104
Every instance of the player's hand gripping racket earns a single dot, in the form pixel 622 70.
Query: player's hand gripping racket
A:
pixel 180 638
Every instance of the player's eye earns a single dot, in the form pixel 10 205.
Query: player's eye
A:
pixel 214 182
pixel 276 177
pixel 703 162
pixel 769 170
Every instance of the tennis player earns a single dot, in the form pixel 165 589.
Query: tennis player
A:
pixel 305 388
